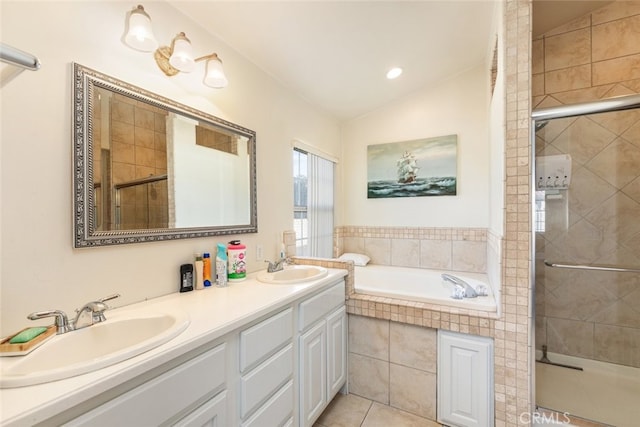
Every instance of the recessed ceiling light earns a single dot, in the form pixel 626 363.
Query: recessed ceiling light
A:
pixel 393 73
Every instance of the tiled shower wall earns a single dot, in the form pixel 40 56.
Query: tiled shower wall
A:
pixel 584 313
pixel 138 150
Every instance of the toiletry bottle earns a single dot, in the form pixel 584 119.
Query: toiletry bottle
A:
pixel 237 261
pixel 199 267
pixel 221 266
pixel 206 269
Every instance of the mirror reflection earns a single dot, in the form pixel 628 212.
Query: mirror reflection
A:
pixel 155 169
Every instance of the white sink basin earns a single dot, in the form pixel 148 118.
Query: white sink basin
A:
pixel 293 274
pixel 122 336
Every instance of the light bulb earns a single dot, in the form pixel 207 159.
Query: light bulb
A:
pixel 394 73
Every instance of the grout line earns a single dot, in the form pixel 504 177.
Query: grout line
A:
pixel 367 413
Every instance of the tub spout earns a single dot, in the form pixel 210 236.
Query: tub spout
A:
pixel 463 289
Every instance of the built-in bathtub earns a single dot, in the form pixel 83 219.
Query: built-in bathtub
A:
pixel 421 285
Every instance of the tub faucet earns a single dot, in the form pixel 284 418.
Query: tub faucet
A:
pixel 463 289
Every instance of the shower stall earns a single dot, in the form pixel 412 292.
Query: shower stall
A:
pixel 586 229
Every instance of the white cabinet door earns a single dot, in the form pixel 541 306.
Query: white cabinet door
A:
pixel 465 380
pixel 336 351
pixel 212 413
pixel 313 374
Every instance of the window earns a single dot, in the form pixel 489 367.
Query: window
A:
pixel 313 204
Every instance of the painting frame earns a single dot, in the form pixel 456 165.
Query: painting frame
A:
pixel 423 167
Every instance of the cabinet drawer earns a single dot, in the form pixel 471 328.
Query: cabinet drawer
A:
pixel 317 307
pixel 259 341
pixel 156 401
pixel 265 379
pixel 213 413
pixel 276 411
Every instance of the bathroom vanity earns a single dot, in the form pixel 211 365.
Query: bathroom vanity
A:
pixel 254 354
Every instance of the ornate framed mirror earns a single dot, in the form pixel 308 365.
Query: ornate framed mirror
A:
pixel 147 168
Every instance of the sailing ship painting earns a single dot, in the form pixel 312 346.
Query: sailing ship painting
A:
pixel 424 167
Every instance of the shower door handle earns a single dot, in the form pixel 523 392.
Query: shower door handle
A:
pixel 600 267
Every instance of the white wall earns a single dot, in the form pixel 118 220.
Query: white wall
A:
pixel 39 267
pixel 455 106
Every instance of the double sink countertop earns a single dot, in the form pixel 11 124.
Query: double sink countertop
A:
pixel 213 313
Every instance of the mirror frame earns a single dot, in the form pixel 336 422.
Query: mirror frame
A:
pixel 85 234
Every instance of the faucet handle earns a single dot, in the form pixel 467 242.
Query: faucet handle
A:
pixel 97 310
pixel 61 322
pixel 109 298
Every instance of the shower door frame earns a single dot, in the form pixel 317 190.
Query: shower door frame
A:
pixel 607 105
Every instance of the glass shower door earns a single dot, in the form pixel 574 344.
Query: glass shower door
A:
pixel 587 270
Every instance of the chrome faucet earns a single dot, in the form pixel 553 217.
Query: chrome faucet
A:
pixel 463 289
pixel 277 265
pixel 96 310
pixel 90 313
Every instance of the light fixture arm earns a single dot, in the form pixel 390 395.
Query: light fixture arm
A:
pixel 163 53
pixel 211 56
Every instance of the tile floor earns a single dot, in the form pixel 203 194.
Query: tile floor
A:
pixel 349 410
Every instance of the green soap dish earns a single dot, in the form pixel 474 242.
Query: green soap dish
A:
pixel 26 340
pixel 27 335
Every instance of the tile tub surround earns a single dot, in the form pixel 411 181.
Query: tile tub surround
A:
pixel 591 314
pixel 459 249
pixel 393 364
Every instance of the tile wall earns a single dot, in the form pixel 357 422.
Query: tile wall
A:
pixel 394 364
pixel 513 390
pixel 458 249
pixel 591 314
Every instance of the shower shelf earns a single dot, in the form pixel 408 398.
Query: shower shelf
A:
pixel 614 268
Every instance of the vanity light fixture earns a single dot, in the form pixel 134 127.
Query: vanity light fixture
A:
pixel 175 58
pixel 394 73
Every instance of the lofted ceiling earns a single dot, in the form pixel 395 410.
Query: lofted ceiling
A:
pixel 335 54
